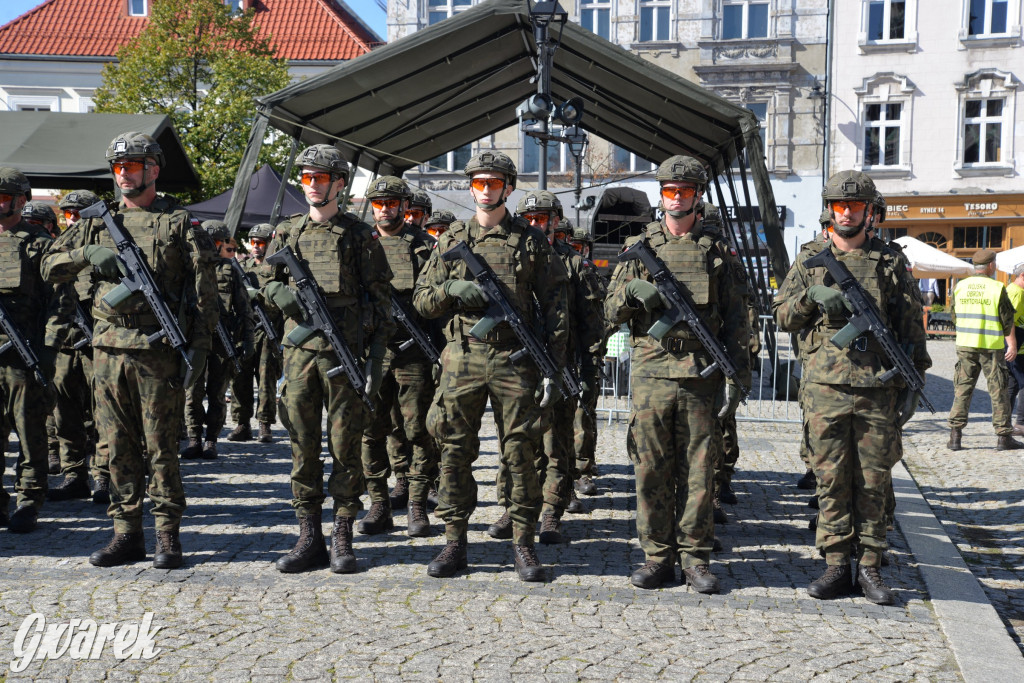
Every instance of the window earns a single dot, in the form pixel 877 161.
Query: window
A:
pixel 987 17
pixel 439 10
pixel 559 158
pixel 744 19
pixel 983 131
pixel 935 239
pixel 760 110
pixel 624 161
pixel 450 162
pixel 595 16
pixel 138 8
pixel 886 19
pixel 882 124
pixel 978 237
pixel 654 20
pixel 237 6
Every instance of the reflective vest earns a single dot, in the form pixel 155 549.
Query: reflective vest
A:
pixel 976 303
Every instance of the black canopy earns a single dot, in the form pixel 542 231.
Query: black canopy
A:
pixel 259 203
pixel 67 151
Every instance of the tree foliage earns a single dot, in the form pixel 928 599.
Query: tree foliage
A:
pixel 201 65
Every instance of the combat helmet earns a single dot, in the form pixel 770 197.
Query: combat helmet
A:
pixel 438 222
pixel 539 200
pixel 420 199
pixel 852 185
pixel 498 162
pixel 261 231
pixel 713 218
pixel 13 181
pixel 582 235
pixel 389 186
pixel 217 230
pixel 682 168
pixel 825 219
pixel 133 145
pixel 880 208
pixel 325 158
pixel 78 200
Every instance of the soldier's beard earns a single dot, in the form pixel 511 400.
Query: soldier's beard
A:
pixel 848 231
pixel 390 223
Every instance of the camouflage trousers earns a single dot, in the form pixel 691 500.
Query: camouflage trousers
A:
pixel 139 402
pixel 24 404
pixel 585 438
pixel 727 450
pixel 305 394
pixel 213 386
pixel 473 373
pixel 265 367
pixel 74 430
pixel 670 446
pixel 851 435
pixel 553 460
pixel 401 405
pixel 969 365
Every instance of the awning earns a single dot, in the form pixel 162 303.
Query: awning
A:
pixel 1006 261
pixel 927 261
pixel 66 151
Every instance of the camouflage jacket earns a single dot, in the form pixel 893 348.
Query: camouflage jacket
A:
pixel 344 256
pixel 182 259
pixel 252 279
pixel 586 306
pixel 702 262
pixel 526 267
pixel 408 252
pixel 235 309
pixel 23 292
pixel 878 270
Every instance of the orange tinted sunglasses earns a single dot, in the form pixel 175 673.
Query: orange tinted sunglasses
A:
pixel 481 184
pixel 413 215
pixel 391 203
pixel 678 192
pixel 71 215
pixel 540 218
pixel 318 178
pixel 127 166
pixel 853 205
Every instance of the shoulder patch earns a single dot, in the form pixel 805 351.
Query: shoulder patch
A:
pixel 374 235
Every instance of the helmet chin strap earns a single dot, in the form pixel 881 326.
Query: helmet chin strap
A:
pixel 491 207
pixel 391 223
pixel 136 191
pixel 850 232
pixel 679 214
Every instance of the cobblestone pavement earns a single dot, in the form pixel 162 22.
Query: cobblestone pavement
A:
pixel 228 615
pixel 977 493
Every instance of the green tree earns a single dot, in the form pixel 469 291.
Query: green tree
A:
pixel 201 65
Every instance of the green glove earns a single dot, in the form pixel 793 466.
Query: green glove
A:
pixel 643 293
pixel 253 293
pixel 374 376
pixel 906 405
pixel 103 259
pixel 469 293
pixel 284 297
pixel 831 300
pixel 728 401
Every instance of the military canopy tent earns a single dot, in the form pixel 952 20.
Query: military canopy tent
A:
pixel 461 80
pixel 263 188
pixel 67 151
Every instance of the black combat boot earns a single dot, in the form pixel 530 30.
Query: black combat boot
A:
pixel 586 486
pixel 528 566
pixel 266 435
pixel 717 512
pixel 168 550
pixel 836 581
pixel 400 494
pixel 419 524
pixel 807 482
pixel 870 581
pixel 955 436
pixel 700 577
pixel 378 519
pixel 451 559
pixel 309 551
pixel 24 520
pixel 653 574
pixel 241 432
pixel 813 503
pixel 343 558
pixel 574 506
pixel 101 492
pixel 72 487
pixel 502 529
pixel 210 450
pixel 432 497
pixel 726 494
pixel 1006 442
pixel 193 450
pixel 551 528
pixel 5 518
pixel 122 549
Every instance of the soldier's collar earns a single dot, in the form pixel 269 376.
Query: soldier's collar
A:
pixel 694 234
pixel 504 228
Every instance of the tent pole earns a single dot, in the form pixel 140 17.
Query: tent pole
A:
pixel 275 213
pixel 243 179
pixel 347 193
pixel 366 205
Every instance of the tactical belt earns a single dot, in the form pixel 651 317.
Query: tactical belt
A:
pixel 677 345
pixel 865 342
pixel 501 335
pixel 131 320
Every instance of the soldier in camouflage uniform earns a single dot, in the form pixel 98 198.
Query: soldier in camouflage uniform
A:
pixel 674 408
pixel 237 317
pixel 418 211
pixel 346 259
pixel 438 222
pixel 140 393
pixel 555 460
pixel 404 398
pixel 852 417
pixel 26 297
pixel 265 365
pixel 477 369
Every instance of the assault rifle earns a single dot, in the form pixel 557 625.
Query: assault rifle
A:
pixel 682 309
pixel 261 313
pixel 139 278
pixel 21 344
pixel 500 309
pixel 229 345
pixel 318 319
pixel 866 318
pixel 416 334
pixel 84 323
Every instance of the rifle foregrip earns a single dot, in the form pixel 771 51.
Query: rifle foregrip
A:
pixel 661 327
pixel 845 336
pixel 117 295
pixel 481 329
pixel 300 334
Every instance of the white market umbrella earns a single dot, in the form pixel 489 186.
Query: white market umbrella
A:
pixel 927 261
pixel 1006 261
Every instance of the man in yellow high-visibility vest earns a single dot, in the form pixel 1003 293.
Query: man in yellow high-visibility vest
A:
pixel 1015 291
pixel 983 316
